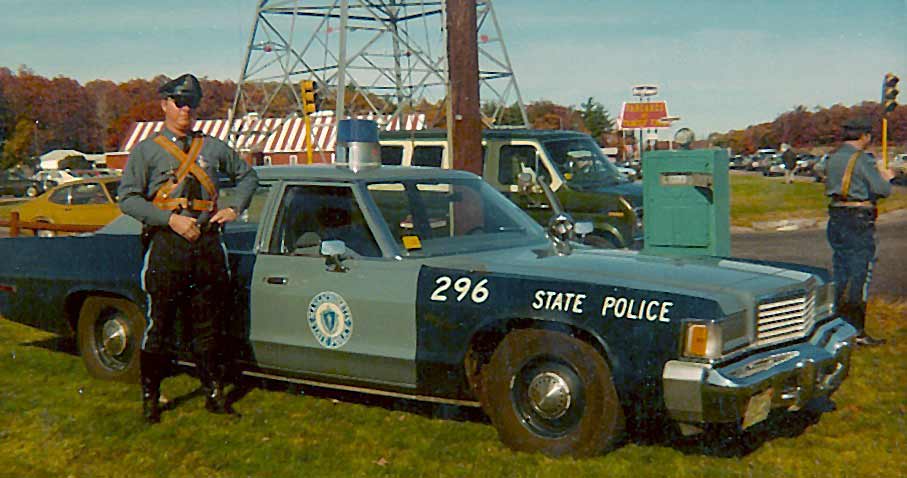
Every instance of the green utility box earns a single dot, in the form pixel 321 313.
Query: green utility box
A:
pixel 686 199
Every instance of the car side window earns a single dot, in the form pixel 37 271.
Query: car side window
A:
pixel 392 155
pixel 428 156
pixel 88 193
pixel 510 159
pixel 61 196
pixel 310 214
pixel 252 214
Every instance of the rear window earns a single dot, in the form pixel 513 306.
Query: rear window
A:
pixel 392 155
pixel 428 156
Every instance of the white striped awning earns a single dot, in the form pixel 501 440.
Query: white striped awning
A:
pixel 273 135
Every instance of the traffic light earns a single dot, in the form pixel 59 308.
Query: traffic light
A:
pixel 889 92
pixel 309 98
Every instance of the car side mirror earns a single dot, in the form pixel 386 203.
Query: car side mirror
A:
pixel 333 248
pixel 333 251
pixel 524 180
pixel 583 228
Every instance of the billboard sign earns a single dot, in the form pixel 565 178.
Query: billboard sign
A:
pixel 645 115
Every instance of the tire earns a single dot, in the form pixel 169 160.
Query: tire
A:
pixel 109 334
pixel 585 419
pixel 44 232
pixel 31 191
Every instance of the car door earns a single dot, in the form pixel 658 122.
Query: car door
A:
pixel 88 205
pixel 355 321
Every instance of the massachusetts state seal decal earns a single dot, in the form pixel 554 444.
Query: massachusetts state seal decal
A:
pixel 330 319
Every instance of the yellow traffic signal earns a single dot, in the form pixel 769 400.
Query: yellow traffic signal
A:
pixel 889 92
pixel 309 98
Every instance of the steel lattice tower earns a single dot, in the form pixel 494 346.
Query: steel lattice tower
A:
pixel 389 54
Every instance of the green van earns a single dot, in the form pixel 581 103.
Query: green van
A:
pixel 589 187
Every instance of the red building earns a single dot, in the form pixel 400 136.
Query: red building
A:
pixel 264 141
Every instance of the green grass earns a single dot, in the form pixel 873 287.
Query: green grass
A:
pixel 55 421
pixel 756 198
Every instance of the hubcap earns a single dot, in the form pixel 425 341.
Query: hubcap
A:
pixel 549 395
pixel 114 337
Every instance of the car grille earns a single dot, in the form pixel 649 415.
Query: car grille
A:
pixel 782 319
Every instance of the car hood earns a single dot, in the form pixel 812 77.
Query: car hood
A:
pixel 727 281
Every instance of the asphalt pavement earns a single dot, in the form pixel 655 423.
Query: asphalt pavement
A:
pixel 805 243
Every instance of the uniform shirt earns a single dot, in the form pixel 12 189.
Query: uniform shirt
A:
pixel 866 182
pixel 150 166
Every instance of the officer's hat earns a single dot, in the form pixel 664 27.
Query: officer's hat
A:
pixel 858 125
pixel 185 86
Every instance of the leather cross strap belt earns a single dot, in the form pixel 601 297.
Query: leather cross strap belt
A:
pixel 162 199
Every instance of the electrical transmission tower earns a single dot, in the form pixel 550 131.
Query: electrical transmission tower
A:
pixel 389 56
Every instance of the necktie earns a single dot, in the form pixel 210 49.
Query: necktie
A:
pixel 193 188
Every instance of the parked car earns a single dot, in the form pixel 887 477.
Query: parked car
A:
pixel 899 165
pixel 763 159
pixel 14 183
pixel 54 177
pixel 429 284
pixel 819 169
pixel 805 163
pixel 589 186
pixel 89 202
pixel 775 167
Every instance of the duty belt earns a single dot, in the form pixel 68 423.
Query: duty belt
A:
pixel 840 201
pixel 171 204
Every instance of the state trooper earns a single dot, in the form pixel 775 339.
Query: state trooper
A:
pixel 170 184
pixel 855 183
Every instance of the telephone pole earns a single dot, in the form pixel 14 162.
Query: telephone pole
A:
pixel 464 119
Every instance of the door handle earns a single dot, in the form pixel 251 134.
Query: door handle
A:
pixel 276 280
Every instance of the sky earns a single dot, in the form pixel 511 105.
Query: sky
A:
pixel 719 65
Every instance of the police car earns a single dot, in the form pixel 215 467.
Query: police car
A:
pixel 429 284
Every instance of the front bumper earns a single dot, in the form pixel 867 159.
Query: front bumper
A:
pixel 745 391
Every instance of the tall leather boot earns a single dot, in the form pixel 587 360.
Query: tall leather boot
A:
pixel 151 387
pixel 213 386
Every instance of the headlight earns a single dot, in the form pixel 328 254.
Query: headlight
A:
pixel 710 339
pixel 825 300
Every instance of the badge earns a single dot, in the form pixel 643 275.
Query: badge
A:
pixel 330 319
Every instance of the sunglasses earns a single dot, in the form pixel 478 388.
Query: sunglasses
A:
pixel 182 101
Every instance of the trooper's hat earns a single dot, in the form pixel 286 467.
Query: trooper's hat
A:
pixel 186 86
pixel 858 125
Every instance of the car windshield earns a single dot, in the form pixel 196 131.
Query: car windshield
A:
pixel 429 218
pixel 581 162
pixel 112 188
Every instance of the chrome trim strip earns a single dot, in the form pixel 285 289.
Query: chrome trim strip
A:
pixel 350 388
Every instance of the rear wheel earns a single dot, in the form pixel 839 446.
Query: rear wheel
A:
pixel 44 232
pixel 109 333
pixel 548 392
pixel 31 191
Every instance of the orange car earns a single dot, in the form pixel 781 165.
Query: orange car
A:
pixel 90 202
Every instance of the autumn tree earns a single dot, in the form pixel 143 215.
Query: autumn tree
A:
pixel 18 147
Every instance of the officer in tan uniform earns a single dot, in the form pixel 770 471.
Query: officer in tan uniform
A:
pixel 170 185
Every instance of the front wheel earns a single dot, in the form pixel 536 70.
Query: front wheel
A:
pixel 548 392
pixel 31 191
pixel 110 332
